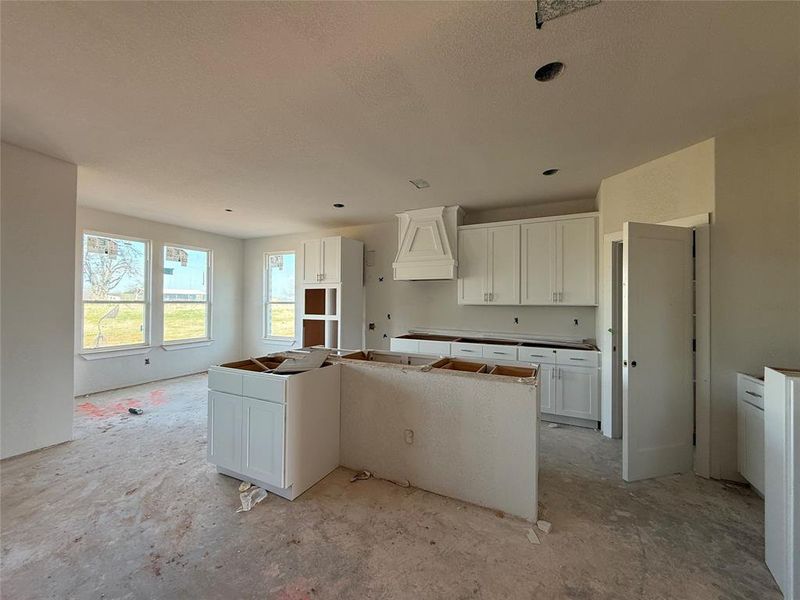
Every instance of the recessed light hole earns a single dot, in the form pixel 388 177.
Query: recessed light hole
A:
pixel 549 172
pixel 549 71
pixel 338 205
pixel 228 210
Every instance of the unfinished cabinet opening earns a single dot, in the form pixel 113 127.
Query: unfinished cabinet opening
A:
pixel 512 371
pixel 315 301
pixel 461 365
pixel 313 332
pixel 330 302
pixel 331 334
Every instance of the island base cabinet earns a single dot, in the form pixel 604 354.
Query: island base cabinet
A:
pixel 263 444
pixel 751 444
pixel 225 430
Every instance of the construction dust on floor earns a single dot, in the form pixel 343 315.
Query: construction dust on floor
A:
pixel 131 509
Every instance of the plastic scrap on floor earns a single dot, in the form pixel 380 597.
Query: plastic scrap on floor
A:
pixel 364 475
pixel 545 526
pixel 250 498
pixel 135 411
pixel 532 537
pixel 553 425
pixel 244 486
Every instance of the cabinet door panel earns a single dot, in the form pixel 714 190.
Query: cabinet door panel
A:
pixel 472 269
pixel 312 250
pixel 547 388
pixel 741 438
pixel 576 272
pixel 263 433
pixel 503 263
pixel 538 263
pixel 755 446
pixel 225 430
pixel 576 394
pixel 331 260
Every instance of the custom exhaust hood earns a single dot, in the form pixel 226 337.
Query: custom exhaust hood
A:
pixel 427 243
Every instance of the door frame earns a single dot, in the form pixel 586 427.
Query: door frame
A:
pixel 611 403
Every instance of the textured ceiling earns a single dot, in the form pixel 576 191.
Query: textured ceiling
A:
pixel 175 111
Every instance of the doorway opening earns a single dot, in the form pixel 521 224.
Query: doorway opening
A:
pixel 614 339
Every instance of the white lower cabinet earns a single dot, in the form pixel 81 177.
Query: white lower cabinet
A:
pixel 225 429
pixel 263 431
pixel 547 388
pixel 576 393
pixel 750 428
pixel 404 345
pixel 433 347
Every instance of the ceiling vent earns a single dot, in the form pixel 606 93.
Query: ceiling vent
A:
pixel 426 243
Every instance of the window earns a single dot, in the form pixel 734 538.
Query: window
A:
pixel 187 309
pixel 115 291
pixel 279 307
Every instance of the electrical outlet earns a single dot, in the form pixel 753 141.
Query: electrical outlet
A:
pixel 576 322
pixel 147 361
pixel 408 435
pixel 516 320
pixel 372 326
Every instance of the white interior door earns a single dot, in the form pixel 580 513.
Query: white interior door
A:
pixel 657 396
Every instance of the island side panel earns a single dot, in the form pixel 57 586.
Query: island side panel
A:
pixel 475 437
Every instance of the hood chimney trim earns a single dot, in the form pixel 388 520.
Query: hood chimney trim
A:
pixel 438 260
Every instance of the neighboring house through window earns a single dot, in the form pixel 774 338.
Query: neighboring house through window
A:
pixel 187 302
pixel 279 301
pixel 115 292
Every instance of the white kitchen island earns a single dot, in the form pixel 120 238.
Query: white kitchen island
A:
pixel 436 423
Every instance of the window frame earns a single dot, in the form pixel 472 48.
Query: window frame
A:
pixel 265 302
pixel 209 295
pixel 146 301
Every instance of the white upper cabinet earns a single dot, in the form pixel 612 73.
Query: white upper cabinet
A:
pixel 539 263
pixel 549 261
pixel 503 262
pixel 576 261
pixel 322 260
pixel 488 265
pixel 331 260
pixel 472 256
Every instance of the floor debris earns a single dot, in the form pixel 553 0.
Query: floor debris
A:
pixel 136 411
pixel 244 486
pixel 623 513
pixel 545 526
pixel 364 475
pixel 250 498
pixel 532 537
pixel 553 426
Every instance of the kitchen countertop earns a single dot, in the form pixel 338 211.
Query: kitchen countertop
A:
pixel 450 335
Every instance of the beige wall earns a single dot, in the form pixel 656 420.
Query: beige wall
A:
pixel 411 304
pixel 226 295
pixel 750 180
pixel 37 211
pixel 678 185
pixel 755 277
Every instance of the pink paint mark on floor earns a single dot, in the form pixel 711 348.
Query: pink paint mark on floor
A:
pixel 158 397
pixel 296 590
pixel 114 409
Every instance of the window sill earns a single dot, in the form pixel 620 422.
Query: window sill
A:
pixel 114 352
pixel 279 341
pixel 169 346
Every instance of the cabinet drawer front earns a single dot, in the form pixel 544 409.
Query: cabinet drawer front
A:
pixel 225 381
pixel 577 358
pixel 499 352
pixel 264 387
pixel 537 355
pixel 460 349
pixel 404 345
pixel 432 347
pixel 751 392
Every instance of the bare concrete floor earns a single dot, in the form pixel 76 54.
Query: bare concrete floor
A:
pixel 130 509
